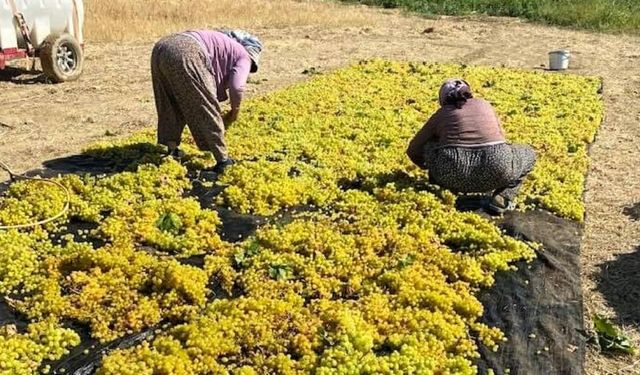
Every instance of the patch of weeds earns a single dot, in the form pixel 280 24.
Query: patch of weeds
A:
pixel 608 338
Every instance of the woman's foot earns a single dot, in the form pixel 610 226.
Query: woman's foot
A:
pixel 499 205
pixel 175 152
pixel 222 165
pixel 211 174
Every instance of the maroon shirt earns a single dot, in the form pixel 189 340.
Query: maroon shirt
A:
pixel 474 125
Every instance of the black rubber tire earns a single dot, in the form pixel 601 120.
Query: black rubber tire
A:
pixel 61 57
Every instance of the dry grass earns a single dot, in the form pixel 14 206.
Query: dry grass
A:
pixel 134 20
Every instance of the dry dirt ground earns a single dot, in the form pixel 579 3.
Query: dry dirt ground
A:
pixel 114 98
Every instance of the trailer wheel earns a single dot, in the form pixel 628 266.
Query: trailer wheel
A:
pixel 61 57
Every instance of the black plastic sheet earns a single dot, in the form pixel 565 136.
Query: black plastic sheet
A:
pixel 538 307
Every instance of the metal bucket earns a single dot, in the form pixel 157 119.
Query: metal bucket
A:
pixel 559 59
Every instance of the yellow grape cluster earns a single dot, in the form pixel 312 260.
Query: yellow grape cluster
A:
pixel 298 184
pixel 119 288
pixel 18 263
pixel 32 201
pixel 91 197
pixel 297 145
pixel 94 197
pixel 194 233
pixel 222 267
pixel 358 121
pixel 374 279
pixel 23 353
pixel 379 276
pixel 116 290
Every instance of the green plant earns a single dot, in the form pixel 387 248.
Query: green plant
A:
pixel 169 222
pixel 605 15
pixel 607 337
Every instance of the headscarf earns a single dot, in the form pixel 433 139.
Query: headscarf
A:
pixel 455 91
pixel 250 42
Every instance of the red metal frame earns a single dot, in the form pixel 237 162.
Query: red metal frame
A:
pixel 11 54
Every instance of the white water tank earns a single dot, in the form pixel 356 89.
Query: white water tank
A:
pixel 43 17
pixel 55 29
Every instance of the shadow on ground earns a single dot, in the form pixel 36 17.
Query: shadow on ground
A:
pixel 22 76
pixel 114 159
pixel 619 283
pixel 111 159
pixel 633 211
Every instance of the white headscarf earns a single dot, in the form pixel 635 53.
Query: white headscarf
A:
pixel 250 42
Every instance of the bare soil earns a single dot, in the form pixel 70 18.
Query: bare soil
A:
pixel 40 121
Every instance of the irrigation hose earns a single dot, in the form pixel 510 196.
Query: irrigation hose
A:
pixel 15 176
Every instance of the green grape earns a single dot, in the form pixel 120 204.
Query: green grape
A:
pixel 23 354
pixel 364 268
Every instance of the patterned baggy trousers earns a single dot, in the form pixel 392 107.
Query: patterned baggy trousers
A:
pixel 500 169
pixel 185 94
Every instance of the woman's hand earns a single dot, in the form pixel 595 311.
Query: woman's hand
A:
pixel 230 117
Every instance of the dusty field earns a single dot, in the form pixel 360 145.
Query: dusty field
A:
pixel 40 122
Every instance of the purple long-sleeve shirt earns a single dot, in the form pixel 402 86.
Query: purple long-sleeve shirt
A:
pixel 229 62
